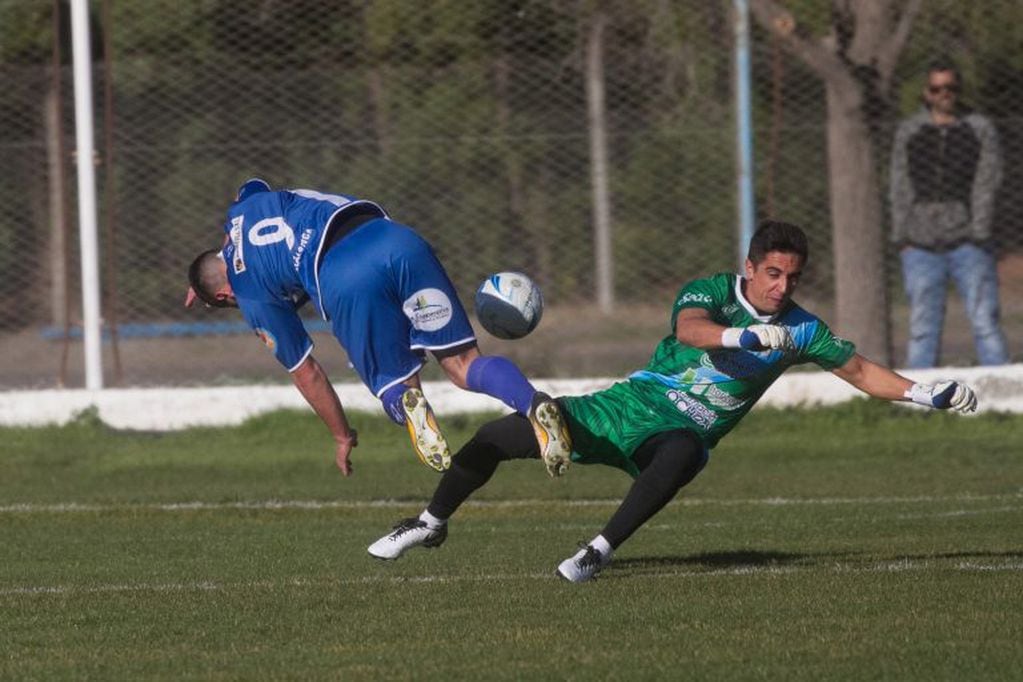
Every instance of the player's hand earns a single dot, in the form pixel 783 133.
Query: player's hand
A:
pixel 343 452
pixel 944 395
pixel 764 336
pixel 758 337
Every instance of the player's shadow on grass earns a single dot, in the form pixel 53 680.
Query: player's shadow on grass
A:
pixel 976 554
pixel 726 560
pixel 760 559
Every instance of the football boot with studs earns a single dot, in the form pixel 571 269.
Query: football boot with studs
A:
pixel 551 434
pixel 427 440
pixel 406 534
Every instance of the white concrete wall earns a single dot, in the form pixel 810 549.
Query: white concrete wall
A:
pixel 998 388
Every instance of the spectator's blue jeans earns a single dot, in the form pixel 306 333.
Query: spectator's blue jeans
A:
pixel 925 275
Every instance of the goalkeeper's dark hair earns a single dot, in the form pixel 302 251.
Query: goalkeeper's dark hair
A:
pixel 774 235
pixel 206 278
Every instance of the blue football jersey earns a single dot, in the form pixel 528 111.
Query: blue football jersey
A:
pixel 273 252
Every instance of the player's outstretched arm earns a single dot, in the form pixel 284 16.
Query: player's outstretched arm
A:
pixel 758 337
pixel 880 382
pixel 315 387
pixel 695 328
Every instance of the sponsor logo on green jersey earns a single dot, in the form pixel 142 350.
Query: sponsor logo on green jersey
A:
pixel 701 415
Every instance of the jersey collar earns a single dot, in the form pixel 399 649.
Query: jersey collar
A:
pixel 739 296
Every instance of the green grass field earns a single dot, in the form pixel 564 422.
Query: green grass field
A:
pixel 865 541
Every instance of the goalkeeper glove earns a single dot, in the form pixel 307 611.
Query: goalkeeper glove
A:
pixel 758 337
pixel 944 395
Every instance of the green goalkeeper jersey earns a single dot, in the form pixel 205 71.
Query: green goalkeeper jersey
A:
pixel 705 391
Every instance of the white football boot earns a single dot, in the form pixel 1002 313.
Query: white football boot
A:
pixel 551 433
pixel 583 565
pixel 408 533
pixel 427 440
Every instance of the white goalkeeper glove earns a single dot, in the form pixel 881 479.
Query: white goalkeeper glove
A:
pixel 758 337
pixel 944 395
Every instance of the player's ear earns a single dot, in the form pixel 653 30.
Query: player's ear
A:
pixel 225 295
pixel 191 298
pixel 750 268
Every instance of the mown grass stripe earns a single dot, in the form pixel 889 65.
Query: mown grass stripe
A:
pixel 734 571
pixel 318 505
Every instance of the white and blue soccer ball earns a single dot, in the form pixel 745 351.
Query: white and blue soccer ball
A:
pixel 509 305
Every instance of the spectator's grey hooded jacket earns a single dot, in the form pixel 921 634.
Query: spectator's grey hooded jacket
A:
pixel 943 181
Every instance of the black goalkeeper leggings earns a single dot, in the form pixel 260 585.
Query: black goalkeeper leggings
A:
pixel 667 461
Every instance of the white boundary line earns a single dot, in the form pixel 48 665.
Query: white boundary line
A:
pixel 898 566
pixel 318 505
pixel 168 408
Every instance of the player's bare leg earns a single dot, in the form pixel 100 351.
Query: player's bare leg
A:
pixel 456 362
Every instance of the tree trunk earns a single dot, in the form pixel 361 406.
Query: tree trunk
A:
pixel 861 301
pixel 855 61
pixel 57 247
pixel 378 102
pixel 599 164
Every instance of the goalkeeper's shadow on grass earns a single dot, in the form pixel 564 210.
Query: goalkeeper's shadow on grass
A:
pixel 768 559
pixel 976 554
pixel 732 559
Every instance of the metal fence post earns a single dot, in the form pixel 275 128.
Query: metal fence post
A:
pixel 87 194
pixel 743 129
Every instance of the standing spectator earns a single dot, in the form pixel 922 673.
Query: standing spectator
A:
pixel 945 170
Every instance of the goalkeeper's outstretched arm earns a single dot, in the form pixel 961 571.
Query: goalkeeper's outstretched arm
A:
pixel 880 382
pixel 873 379
pixel 694 327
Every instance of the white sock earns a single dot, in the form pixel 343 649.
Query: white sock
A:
pixel 600 544
pixel 431 520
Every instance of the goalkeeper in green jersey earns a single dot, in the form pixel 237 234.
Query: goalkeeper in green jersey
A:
pixel 732 336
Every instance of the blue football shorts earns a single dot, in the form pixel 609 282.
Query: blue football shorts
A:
pixel 389 300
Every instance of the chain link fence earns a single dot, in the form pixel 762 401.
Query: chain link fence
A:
pixel 479 123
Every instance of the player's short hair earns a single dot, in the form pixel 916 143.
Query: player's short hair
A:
pixel 206 278
pixel 774 235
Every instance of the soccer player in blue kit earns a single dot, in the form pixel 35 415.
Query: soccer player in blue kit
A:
pixel 388 299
